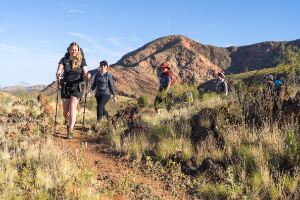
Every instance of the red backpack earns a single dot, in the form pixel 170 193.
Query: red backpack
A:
pixel 173 80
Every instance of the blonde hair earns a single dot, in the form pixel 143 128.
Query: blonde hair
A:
pixel 78 58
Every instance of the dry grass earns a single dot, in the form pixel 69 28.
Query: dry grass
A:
pixel 35 167
pixel 259 162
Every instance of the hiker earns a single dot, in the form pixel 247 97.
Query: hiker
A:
pixel 275 87
pixel 275 90
pixel 105 86
pixel 74 68
pixel 269 81
pixel 222 85
pixel 165 89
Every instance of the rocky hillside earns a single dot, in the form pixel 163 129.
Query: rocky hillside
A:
pixel 16 88
pixel 137 72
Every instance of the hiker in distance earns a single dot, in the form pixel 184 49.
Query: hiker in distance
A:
pixel 74 68
pixel 105 87
pixel 165 89
pixel 222 85
pixel 274 87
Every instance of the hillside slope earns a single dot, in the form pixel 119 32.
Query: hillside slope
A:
pixel 137 72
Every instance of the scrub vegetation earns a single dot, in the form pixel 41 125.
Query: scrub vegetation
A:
pixel 207 147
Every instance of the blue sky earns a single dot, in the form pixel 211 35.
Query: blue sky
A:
pixel 34 34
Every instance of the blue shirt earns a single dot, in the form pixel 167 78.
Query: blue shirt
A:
pixel 164 82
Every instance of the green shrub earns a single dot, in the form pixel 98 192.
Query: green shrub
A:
pixel 91 104
pixel 162 131
pixel 143 101
pixel 165 148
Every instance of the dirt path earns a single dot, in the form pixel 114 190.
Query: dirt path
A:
pixel 110 166
pixel 100 158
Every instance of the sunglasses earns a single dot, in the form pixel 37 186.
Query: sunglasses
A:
pixel 102 65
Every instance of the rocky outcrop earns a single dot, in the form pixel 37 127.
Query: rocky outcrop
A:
pixel 291 109
pixel 213 168
pixel 46 107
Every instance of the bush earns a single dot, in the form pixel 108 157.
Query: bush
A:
pixel 143 101
pixel 91 104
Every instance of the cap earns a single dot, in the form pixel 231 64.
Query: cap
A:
pixel 269 77
pixel 165 65
pixel 103 62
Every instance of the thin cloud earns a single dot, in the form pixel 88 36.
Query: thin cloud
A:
pixel 118 42
pixel 95 44
pixel 10 48
pixel 4 26
pixel 89 50
pixel 76 11
pixel 32 52
pixel 42 41
pixel 134 38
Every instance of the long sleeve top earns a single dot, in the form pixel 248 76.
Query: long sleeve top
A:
pixel 104 84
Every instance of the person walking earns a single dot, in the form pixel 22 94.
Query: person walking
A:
pixel 72 68
pixel 105 87
pixel 165 89
pixel 222 85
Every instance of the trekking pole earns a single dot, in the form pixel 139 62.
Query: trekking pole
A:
pixel 84 104
pixel 58 81
pixel 257 71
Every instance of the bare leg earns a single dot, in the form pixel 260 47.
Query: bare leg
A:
pixel 66 106
pixel 73 105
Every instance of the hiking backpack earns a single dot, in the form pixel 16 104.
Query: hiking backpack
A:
pixel 173 80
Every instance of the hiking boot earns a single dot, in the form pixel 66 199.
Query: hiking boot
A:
pixel 109 118
pixel 70 133
pixel 67 122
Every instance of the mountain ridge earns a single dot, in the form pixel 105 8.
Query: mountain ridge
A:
pixel 137 72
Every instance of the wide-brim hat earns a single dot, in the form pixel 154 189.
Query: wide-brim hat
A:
pixel 165 65
pixel 103 62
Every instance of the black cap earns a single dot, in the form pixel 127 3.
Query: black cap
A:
pixel 103 62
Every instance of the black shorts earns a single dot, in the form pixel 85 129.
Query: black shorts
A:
pixel 74 89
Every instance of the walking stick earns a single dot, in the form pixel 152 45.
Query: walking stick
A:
pixel 84 104
pixel 56 106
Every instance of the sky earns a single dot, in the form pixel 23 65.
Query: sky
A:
pixel 34 34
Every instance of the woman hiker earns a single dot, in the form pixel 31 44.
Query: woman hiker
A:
pixel 165 89
pixel 74 68
pixel 105 87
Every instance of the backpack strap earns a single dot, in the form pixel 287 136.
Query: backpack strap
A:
pixel 170 75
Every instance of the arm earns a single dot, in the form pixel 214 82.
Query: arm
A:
pixel 169 83
pixel 92 87
pixel 59 72
pixel 225 88
pixel 86 74
pixel 168 87
pixel 111 86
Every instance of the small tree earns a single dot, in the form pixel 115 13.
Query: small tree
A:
pixel 143 101
pixel 289 62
